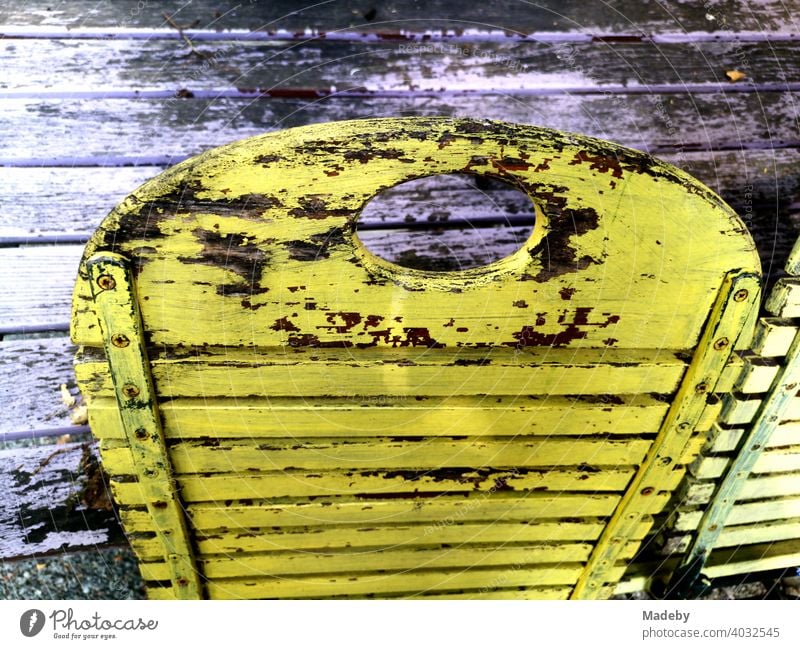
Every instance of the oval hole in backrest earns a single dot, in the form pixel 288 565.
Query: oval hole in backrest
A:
pixel 446 222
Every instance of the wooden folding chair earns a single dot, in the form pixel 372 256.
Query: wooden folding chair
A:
pixel 285 414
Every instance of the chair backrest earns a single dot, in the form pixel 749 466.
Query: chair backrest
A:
pixel 284 414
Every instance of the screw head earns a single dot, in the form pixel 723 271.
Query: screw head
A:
pixel 140 433
pixel 721 343
pixel 713 527
pixel 120 340
pixel 130 390
pixel 741 295
pixel 701 388
pixel 106 282
pixel 647 491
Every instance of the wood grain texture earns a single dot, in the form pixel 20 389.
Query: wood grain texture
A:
pixel 509 16
pixel 37 66
pixel 55 499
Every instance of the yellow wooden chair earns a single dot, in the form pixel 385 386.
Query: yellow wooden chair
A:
pixel 235 336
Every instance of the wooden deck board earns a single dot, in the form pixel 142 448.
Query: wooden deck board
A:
pixel 550 16
pixel 75 66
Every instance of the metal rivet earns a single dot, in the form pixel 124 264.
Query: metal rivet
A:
pixel 130 390
pixel 741 295
pixel 140 433
pixel 647 491
pixel 713 527
pixel 684 426
pixel 120 340
pixel 721 343
pixel 756 447
pixel 701 388
pixel 106 282
pixel 183 582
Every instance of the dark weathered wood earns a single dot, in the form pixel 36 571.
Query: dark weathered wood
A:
pixel 33 371
pixel 40 65
pixel 55 499
pixel 393 15
pixel 172 129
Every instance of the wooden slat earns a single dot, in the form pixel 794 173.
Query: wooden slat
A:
pixel 408 584
pixel 403 372
pixel 39 366
pixel 290 563
pixel 223 487
pixel 784 300
pixel 68 66
pixel 398 416
pixel 123 128
pixel 422 455
pixel 548 16
pixel 757 374
pixel 786 434
pixel 441 515
pixel 782 460
pixel 738 535
pixel 756 487
pixel 773 336
pixel 744 513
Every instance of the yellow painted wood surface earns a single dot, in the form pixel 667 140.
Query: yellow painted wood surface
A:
pixel 472 432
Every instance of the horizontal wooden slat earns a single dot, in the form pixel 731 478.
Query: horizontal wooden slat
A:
pixel 375 483
pixel 744 513
pixel 124 128
pixel 405 372
pixel 736 535
pixel 504 15
pixel 755 487
pixel 739 408
pixel 422 454
pixel 441 515
pixel 408 584
pixel 782 460
pixel 349 561
pixel 391 415
pixel 784 300
pixel 773 336
pixel 753 558
pixel 69 65
pixel 785 434
pixel 39 366
pixel 757 374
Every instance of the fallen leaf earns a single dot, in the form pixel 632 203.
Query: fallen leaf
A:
pixel 735 75
pixel 79 415
pixel 66 397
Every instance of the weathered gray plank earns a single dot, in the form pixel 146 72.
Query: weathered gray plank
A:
pixel 393 15
pixel 67 66
pixel 41 201
pixel 33 370
pixel 56 130
pixel 62 202
pixel 54 500
pixel 36 285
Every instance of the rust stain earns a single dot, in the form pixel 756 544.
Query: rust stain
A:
pixel 528 336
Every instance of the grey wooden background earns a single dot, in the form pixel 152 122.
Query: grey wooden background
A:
pixel 98 96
